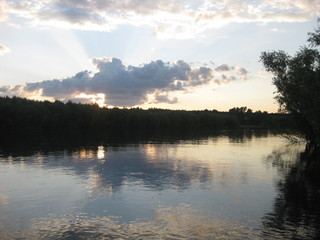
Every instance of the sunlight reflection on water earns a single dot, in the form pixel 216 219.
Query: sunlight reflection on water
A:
pixel 215 188
pixel 181 222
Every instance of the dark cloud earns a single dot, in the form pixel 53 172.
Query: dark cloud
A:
pixel 227 73
pixel 143 7
pixel 164 98
pixel 61 88
pixel 72 14
pixel 128 85
pixel 4 89
pixel 222 68
pixel 11 91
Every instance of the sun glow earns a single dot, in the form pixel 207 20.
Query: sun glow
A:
pixel 98 98
pixel 72 47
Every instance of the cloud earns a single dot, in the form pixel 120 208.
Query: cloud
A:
pixel 120 85
pixel 222 68
pixel 225 79
pixel 229 74
pixel 169 18
pixel 242 72
pixel 163 98
pixel 11 91
pixel 3 10
pixel 3 49
pixel 143 7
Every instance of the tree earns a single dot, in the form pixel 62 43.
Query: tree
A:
pixel 297 79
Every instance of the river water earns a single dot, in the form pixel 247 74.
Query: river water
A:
pixel 234 185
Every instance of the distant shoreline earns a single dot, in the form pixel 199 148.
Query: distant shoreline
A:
pixel 20 116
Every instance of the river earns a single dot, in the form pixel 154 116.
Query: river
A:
pixel 233 185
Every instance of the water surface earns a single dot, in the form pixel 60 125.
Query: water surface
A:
pixel 230 186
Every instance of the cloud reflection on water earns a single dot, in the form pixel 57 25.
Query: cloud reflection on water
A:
pixel 153 190
pixel 181 222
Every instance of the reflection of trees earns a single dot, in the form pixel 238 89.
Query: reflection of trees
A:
pixel 245 135
pixel 296 213
pixel 114 165
pixel 27 146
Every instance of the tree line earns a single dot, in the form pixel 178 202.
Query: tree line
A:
pixel 21 116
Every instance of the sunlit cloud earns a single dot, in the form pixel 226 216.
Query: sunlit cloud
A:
pixel 98 98
pixel 3 10
pixel 3 49
pixel 115 84
pixel 168 18
pixel 19 90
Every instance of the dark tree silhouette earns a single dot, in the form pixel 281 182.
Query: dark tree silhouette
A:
pixel 297 79
pixel 23 117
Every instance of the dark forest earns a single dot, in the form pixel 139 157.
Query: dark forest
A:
pixel 24 117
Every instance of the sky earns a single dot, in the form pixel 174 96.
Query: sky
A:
pixel 173 54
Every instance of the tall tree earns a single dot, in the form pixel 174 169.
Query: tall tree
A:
pixel 297 79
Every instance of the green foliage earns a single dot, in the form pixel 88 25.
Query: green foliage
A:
pixel 297 79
